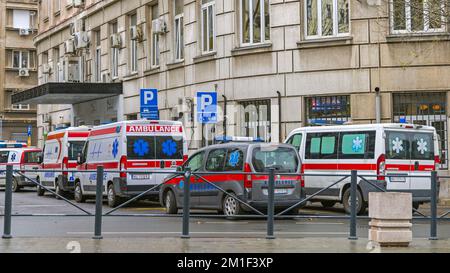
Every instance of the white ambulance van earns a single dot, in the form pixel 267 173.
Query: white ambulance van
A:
pixel 140 145
pixel 60 153
pixel 375 149
pixel 21 158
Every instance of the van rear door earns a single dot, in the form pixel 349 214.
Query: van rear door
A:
pixel 398 159
pixel 422 161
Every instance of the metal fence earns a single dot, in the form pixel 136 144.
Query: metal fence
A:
pixel 270 216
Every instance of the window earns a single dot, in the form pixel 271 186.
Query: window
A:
pixel 208 25
pixel 20 107
pixel 22 19
pixel 179 29
pixel 4 155
pixel 57 6
pixel 155 39
pixel 169 148
pixel 133 46
pixel 321 146
pixel 417 16
pixel 296 141
pixel 255 21
pixel 234 160
pixel 22 59
pixel 216 160
pixel 283 159
pixel 98 57
pixel 75 147
pixel 195 163
pixel 326 18
pixel 357 145
pixel 255 119
pixel 327 110
pixel 114 54
pixel 32 157
pixel 159 148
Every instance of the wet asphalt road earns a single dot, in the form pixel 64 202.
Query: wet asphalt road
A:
pixel 27 202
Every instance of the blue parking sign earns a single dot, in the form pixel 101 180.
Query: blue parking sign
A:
pixel 149 104
pixel 207 107
pixel 29 130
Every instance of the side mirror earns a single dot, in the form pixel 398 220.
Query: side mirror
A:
pixel 179 168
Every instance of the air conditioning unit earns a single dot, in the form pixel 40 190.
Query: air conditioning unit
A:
pixel 23 72
pixel 116 40
pixel 69 47
pixel 136 33
pixel 77 3
pixel 24 31
pixel 159 26
pixel 81 40
pixel 46 69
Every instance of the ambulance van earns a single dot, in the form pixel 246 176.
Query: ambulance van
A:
pixel 61 149
pixel 22 159
pixel 140 145
pixel 377 150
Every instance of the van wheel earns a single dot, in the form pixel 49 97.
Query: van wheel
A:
pixel 170 203
pixel 231 206
pixel 113 199
pixel 328 203
pixel 15 185
pixel 39 190
pixel 58 192
pixel 360 204
pixel 78 194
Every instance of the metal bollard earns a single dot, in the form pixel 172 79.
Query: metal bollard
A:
pixel 98 204
pixel 433 205
pixel 8 203
pixel 270 204
pixel 353 188
pixel 186 203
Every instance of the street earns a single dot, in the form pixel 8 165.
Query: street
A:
pixel 27 202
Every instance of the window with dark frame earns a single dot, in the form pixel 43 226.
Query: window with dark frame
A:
pixel 327 110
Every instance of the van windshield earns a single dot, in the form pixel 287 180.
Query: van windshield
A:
pixel 75 147
pixel 155 147
pixel 283 159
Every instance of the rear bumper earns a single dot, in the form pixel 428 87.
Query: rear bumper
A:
pixel 123 190
pixel 24 182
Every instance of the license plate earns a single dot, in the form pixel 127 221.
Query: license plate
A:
pixel 398 179
pixel 281 191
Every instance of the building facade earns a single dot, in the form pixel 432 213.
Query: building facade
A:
pixel 18 67
pixel 275 64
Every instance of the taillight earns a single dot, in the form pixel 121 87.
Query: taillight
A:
pixel 185 158
pixel 381 167
pixel 123 166
pixel 22 159
pixel 65 166
pixel 248 184
pixel 302 176
pixel 437 162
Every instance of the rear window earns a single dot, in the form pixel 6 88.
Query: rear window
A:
pixel 31 157
pixel 75 148
pixel 409 145
pixel 4 156
pixel 283 159
pixel 422 146
pixel 154 147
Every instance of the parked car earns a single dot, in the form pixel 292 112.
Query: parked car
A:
pixel 23 159
pixel 373 149
pixel 139 145
pixel 233 159
pixel 61 149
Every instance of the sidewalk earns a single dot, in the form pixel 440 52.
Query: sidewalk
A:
pixel 209 245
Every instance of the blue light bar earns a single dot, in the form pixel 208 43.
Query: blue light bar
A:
pixel 12 145
pixel 225 139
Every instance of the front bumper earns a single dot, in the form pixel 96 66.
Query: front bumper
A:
pixel 66 184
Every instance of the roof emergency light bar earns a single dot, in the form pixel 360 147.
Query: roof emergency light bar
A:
pixel 225 139
pixel 12 145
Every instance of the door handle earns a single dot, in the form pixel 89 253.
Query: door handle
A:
pixel 416 165
pixel 35 168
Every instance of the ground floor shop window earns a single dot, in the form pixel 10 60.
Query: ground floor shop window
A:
pixel 327 110
pixel 255 119
pixel 425 108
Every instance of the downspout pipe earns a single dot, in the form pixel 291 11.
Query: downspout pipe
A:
pixel 377 105
pixel 279 117
pixel 225 101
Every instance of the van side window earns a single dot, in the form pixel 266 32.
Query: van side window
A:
pixel 216 160
pixel 357 145
pixel 397 145
pixel 195 163
pixel 296 141
pixel 31 157
pixel 321 146
pixel 4 156
pixel 234 160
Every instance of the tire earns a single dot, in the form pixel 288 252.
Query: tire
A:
pixel 58 192
pixel 231 206
pixel 328 203
pixel 39 190
pixel 15 185
pixel 113 199
pixel 78 194
pixel 170 203
pixel 360 207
